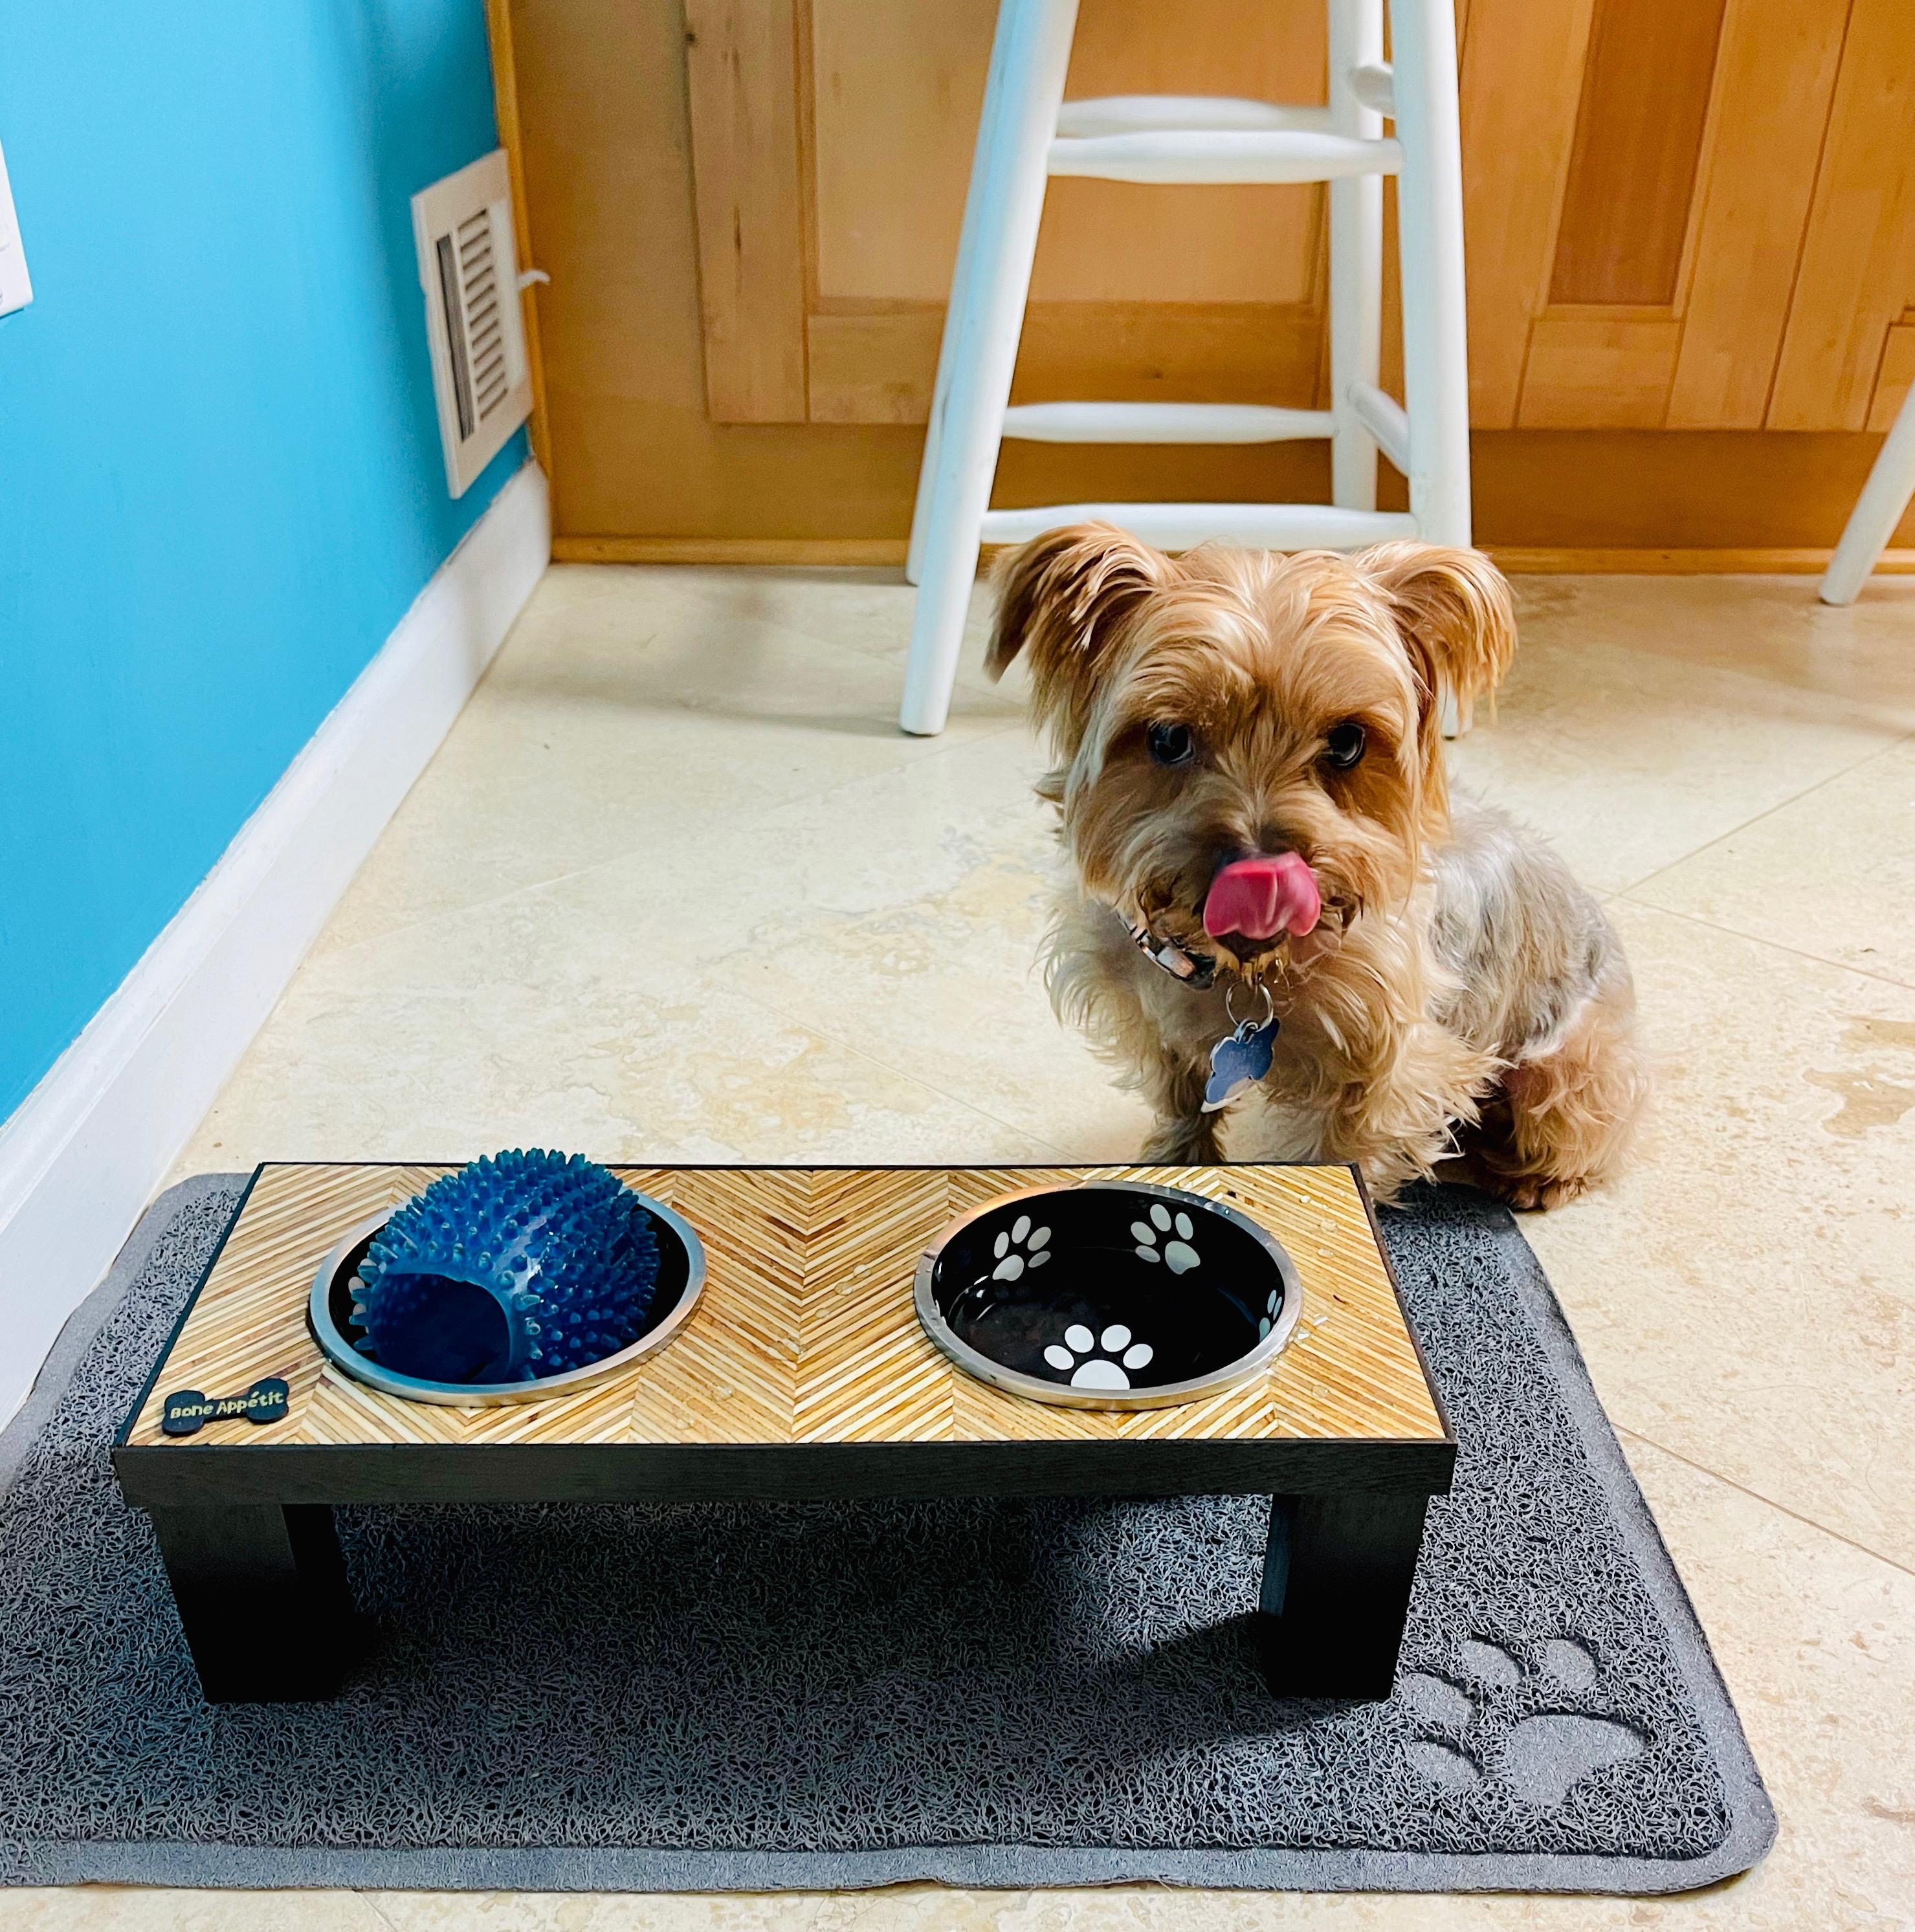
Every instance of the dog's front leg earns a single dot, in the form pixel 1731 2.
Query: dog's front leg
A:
pixel 1395 1114
pixel 1186 1135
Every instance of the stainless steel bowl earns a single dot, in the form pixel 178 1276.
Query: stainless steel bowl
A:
pixel 329 1311
pixel 1109 1294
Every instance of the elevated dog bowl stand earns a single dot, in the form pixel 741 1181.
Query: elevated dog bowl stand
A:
pixel 803 1373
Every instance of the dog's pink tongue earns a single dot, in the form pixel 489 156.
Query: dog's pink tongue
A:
pixel 1262 897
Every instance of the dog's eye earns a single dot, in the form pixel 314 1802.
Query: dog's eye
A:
pixel 1343 748
pixel 1172 744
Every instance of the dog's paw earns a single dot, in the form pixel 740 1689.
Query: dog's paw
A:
pixel 1541 1757
pixel 1528 1196
pixel 1099 1361
pixel 1528 1193
pixel 1023 1247
pixel 1164 1239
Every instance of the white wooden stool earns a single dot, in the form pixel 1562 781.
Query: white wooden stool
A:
pixel 1027 132
pixel 1871 523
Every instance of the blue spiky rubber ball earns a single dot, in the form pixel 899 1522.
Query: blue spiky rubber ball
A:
pixel 522 1265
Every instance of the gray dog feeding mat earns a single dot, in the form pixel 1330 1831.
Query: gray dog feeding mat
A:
pixel 988 1693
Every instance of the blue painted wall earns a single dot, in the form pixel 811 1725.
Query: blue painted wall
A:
pixel 220 483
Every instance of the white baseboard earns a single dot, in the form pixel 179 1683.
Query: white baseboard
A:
pixel 90 1145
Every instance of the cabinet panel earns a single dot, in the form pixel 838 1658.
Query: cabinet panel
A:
pixel 896 93
pixel 742 74
pixel 1775 75
pixel 1639 130
pixel 1859 259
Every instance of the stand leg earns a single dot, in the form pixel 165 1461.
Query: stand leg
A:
pixel 262 1592
pixel 1337 1578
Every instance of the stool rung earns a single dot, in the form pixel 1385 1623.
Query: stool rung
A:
pixel 1375 85
pixel 1224 154
pixel 1164 422
pixel 1383 416
pixel 1143 113
pixel 1179 525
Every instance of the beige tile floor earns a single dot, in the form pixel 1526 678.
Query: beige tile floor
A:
pixel 676 888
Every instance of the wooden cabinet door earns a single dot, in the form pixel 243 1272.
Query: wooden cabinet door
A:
pixel 1681 214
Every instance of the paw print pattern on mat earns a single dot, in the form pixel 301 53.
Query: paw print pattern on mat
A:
pixel 1541 1757
pixel 1104 1371
pixel 1024 1246
pixel 1176 1254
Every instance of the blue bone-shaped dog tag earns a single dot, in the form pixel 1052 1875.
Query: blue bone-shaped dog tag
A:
pixel 1238 1062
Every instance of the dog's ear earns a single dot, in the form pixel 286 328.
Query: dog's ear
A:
pixel 1453 609
pixel 1061 599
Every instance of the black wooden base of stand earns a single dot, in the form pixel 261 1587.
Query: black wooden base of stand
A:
pixel 1337 1578
pixel 262 1597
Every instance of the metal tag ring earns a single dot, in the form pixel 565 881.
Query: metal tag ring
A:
pixel 1230 1004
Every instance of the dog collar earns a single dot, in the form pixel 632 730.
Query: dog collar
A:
pixel 1196 970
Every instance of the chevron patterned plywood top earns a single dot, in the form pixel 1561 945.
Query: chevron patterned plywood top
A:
pixel 805 1332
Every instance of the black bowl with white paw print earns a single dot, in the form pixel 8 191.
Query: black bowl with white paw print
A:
pixel 1109 1294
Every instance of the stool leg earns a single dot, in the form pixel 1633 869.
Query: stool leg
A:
pixel 1877 510
pixel 261 1594
pixel 1028 61
pixel 1337 1578
pixel 1356 257
pixel 959 300
pixel 1429 231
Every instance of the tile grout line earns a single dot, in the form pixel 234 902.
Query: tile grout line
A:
pixel 898 1072
pixel 1770 945
pixel 1756 1495
pixel 1019 719
pixel 625 858
pixel 878 654
pixel 1781 805
pixel 1736 673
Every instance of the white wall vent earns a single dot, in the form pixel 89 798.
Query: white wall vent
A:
pixel 468 269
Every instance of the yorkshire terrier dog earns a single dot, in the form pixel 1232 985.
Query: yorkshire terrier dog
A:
pixel 1249 772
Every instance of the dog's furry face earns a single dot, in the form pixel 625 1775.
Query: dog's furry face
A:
pixel 1230 703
